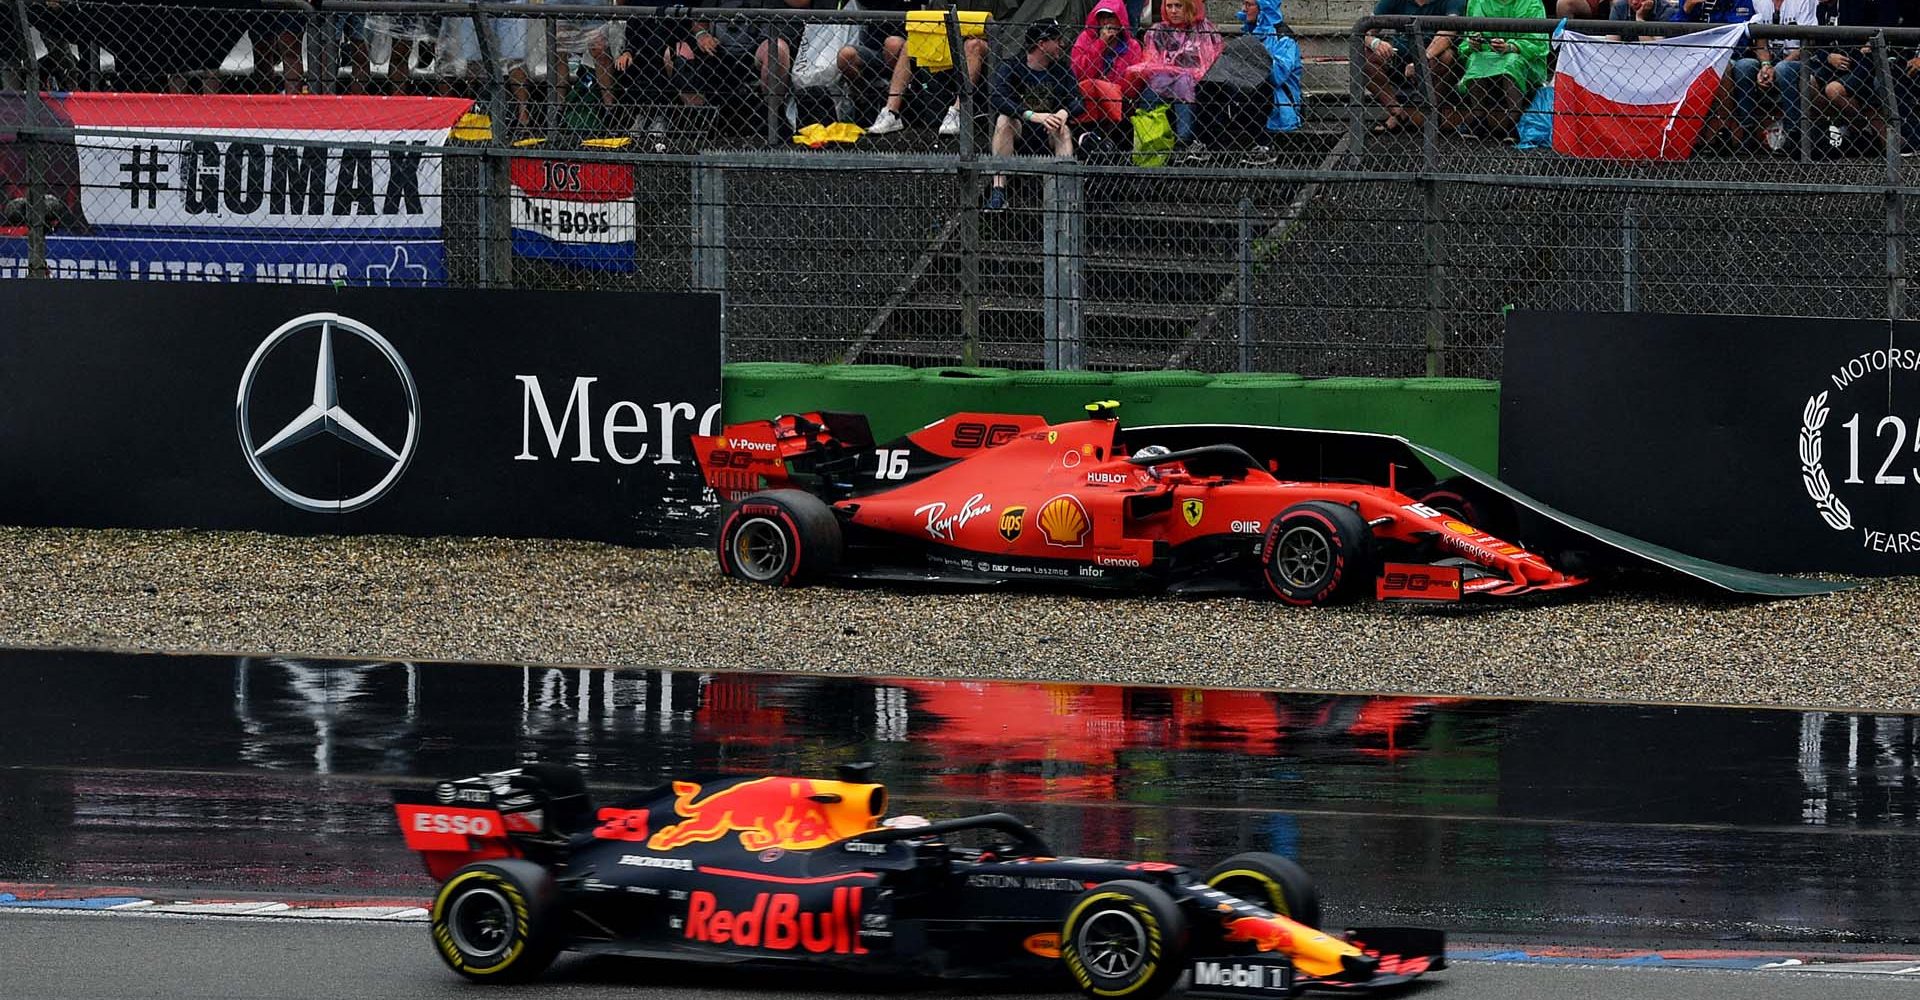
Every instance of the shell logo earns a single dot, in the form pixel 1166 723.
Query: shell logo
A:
pixel 1461 528
pixel 1064 522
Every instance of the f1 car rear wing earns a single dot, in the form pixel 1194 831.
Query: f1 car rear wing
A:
pixel 1313 454
pixel 834 453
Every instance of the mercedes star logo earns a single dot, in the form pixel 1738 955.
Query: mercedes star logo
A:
pixel 324 414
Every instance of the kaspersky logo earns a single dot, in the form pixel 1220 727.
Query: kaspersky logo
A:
pixel 776 922
pixel 315 343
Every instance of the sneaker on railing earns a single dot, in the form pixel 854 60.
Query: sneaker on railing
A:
pixel 886 123
pixel 950 125
pixel 997 200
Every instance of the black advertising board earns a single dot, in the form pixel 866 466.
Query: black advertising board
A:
pixel 1777 444
pixel 302 409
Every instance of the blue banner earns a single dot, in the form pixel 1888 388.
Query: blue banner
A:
pixel 412 263
pixel 593 256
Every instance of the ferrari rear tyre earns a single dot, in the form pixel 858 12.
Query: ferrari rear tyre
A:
pixel 1124 939
pixel 1271 881
pixel 497 921
pixel 1318 553
pixel 782 537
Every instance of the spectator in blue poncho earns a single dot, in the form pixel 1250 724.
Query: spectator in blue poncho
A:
pixel 1262 18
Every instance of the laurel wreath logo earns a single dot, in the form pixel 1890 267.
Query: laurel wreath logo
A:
pixel 1812 474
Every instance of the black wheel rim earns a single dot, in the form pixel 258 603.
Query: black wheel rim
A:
pixel 1113 944
pixel 1304 556
pixel 481 921
pixel 760 550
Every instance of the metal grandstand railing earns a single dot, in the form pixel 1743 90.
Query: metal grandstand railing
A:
pixel 1384 230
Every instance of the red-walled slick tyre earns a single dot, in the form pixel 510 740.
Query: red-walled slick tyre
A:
pixel 781 537
pixel 1463 499
pixel 1318 553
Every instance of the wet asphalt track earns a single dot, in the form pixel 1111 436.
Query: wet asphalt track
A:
pixel 1561 823
pixel 68 956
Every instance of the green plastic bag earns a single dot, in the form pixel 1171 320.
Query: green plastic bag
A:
pixel 1152 137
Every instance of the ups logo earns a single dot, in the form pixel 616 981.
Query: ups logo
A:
pixel 1013 521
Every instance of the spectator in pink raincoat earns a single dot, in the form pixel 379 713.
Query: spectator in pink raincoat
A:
pixel 1102 56
pixel 1180 48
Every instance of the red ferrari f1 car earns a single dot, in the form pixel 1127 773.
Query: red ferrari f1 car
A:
pixel 784 871
pixel 1313 517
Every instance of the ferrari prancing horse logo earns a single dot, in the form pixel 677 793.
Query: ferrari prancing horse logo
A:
pixel 1192 510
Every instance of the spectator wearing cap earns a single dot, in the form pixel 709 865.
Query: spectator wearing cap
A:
pixel 1390 67
pixel 1502 69
pixel 1035 101
pixel 1180 48
pixel 1102 56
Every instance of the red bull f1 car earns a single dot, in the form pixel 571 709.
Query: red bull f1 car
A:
pixel 773 870
pixel 1312 517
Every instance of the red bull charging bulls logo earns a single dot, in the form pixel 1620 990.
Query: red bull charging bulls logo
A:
pixel 1265 934
pixel 766 812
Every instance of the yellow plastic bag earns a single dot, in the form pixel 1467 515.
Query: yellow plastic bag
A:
pixel 927 36
pixel 817 136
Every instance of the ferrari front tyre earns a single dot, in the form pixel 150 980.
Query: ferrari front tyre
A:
pixel 1318 553
pixel 781 537
pixel 497 921
pixel 1124 939
pixel 1270 881
pixel 1465 500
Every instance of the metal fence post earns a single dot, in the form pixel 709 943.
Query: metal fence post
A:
pixel 1430 118
pixel 1896 234
pixel 496 186
pixel 36 144
pixel 957 49
pixel 1243 287
pixel 1063 229
pixel 1803 93
pixel 1436 275
pixel 1357 92
pixel 967 176
pixel 1630 258
pixel 710 237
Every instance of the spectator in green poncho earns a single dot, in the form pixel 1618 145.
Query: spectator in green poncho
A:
pixel 1502 69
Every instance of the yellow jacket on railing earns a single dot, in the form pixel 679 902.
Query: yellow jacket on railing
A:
pixel 927 36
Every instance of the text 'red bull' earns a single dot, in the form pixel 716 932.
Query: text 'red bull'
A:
pixel 1265 934
pixel 775 921
pixel 767 812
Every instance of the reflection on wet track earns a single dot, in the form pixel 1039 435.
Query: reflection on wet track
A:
pixel 1491 816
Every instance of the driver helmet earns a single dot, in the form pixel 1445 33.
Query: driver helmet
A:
pixel 908 822
pixel 1153 451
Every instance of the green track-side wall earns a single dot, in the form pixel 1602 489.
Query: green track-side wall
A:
pixel 1455 415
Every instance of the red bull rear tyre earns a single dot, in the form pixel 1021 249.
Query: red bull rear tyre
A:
pixel 1124 939
pixel 496 921
pixel 1271 881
